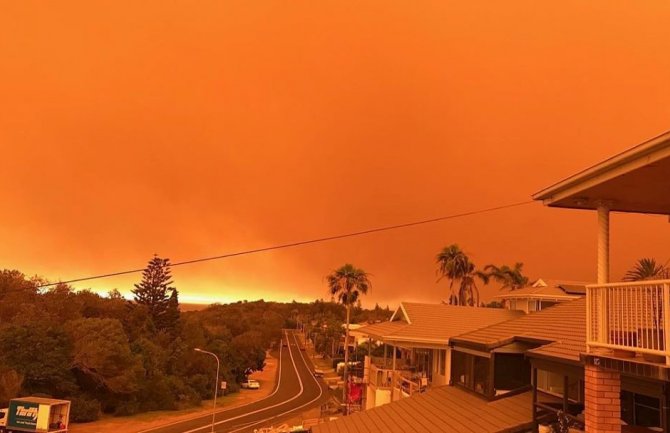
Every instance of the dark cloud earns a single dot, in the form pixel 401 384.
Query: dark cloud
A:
pixel 189 131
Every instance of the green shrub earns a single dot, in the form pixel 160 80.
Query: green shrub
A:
pixel 126 408
pixel 185 396
pixel 157 394
pixel 84 409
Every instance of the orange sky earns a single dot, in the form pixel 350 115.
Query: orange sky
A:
pixel 200 128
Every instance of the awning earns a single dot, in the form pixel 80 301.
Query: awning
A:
pixel 633 181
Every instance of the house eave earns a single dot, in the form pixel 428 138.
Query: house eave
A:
pixel 601 183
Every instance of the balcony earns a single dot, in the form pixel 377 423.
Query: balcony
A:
pixel 387 363
pixel 631 319
pixel 406 385
pixel 391 385
pixel 387 378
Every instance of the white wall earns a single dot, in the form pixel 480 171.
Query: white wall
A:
pixel 517 304
pixel 382 396
pixel 439 379
pixel 369 397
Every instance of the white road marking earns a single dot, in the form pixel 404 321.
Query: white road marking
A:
pixel 226 409
pixel 302 388
pixel 289 411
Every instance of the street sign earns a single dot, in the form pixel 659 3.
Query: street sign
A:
pixel 224 384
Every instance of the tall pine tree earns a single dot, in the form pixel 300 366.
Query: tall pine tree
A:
pixel 157 294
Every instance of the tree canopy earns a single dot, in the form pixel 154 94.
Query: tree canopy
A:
pixel 456 266
pixel 157 294
pixel 508 277
pixel 109 355
pixel 347 283
pixel 647 269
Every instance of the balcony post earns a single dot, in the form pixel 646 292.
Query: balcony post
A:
pixel 533 381
pixel 603 243
pixel 666 322
pixel 589 323
pixel 603 268
pixel 393 375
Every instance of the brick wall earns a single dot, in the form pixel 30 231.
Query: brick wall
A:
pixel 602 400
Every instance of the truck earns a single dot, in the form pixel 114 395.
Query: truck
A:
pixel 35 414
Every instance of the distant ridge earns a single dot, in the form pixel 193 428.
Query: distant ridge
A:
pixel 192 307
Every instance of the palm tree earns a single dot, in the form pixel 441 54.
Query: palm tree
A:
pixel 647 269
pixel 346 284
pixel 455 265
pixel 509 277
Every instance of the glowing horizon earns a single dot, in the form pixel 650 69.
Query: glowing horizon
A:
pixel 130 129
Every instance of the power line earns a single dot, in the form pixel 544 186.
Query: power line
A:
pixel 305 242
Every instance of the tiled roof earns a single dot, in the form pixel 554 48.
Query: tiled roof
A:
pixel 574 289
pixel 561 282
pixel 551 289
pixel 442 409
pixel 436 323
pixel 562 327
pixel 380 330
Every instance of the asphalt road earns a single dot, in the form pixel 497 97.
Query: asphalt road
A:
pixel 296 391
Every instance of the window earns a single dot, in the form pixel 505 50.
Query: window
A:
pixel 459 368
pixel 552 383
pixel 424 361
pixel 640 410
pixel 481 370
pixel 470 371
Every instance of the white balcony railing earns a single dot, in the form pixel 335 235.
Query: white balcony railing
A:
pixel 380 377
pixel 398 380
pixel 405 386
pixel 387 363
pixel 631 318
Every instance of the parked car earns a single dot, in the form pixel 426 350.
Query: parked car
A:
pixel 251 384
pixel 352 364
pixel 318 372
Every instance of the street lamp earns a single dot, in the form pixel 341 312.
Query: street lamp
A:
pixel 216 382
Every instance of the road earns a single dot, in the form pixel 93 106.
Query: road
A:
pixel 296 391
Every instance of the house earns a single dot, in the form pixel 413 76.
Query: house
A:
pixel 356 337
pixel 541 294
pixel 602 360
pixel 540 351
pixel 627 356
pixel 505 349
pixel 491 375
pixel 417 352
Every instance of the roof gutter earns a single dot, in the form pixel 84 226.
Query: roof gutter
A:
pixel 417 340
pixel 547 297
